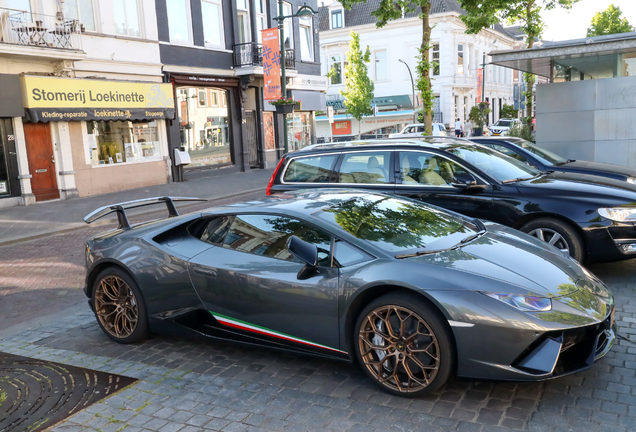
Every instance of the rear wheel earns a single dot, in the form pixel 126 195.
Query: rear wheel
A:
pixel 558 234
pixel 119 308
pixel 404 345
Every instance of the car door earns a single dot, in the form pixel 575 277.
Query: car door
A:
pixel 428 177
pixel 249 281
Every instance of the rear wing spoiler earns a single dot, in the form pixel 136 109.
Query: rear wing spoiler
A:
pixel 121 208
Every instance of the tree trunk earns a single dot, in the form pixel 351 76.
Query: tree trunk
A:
pixel 529 76
pixel 426 39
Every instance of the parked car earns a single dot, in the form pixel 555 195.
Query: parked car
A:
pixel 407 290
pixel 418 130
pixel 591 218
pixel 502 126
pixel 545 160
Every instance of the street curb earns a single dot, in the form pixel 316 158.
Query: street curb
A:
pixel 80 225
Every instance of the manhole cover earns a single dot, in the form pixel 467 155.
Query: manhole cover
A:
pixel 36 394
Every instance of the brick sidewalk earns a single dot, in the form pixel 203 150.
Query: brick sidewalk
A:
pixel 40 219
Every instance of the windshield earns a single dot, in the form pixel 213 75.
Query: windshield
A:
pixel 495 164
pixel 547 157
pixel 398 225
pixel 504 123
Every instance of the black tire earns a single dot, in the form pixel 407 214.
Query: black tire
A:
pixel 438 360
pixel 116 300
pixel 568 235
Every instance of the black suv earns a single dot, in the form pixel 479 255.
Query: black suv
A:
pixel 591 218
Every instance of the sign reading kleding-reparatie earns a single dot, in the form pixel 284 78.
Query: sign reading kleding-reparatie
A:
pixel 65 99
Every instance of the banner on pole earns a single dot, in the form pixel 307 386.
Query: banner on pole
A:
pixel 480 74
pixel 271 64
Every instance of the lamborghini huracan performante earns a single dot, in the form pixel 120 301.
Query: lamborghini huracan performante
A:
pixel 411 292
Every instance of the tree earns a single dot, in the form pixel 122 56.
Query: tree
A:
pixel 358 86
pixel 610 21
pixel 390 10
pixel 509 111
pixel 482 14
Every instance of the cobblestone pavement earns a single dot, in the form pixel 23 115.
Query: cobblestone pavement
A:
pixel 190 385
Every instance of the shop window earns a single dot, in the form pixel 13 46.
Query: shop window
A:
pixel 335 65
pixel 83 11
pixel 381 67
pixel 212 14
pixel 306 39
pixel 336 19
pixel 179 21
pixel 299 130
pixel 117 142
pixel 435 58
pixel 460 59
pixel 126 17
pixel 204 127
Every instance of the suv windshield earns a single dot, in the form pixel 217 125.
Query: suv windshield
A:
pixel 504 123
pixel 547 157
pixel 398 225
pixel 497 165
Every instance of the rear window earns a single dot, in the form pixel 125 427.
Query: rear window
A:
pixel 313 169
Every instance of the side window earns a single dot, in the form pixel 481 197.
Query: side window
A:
pixel 426 169
pixel 420 129
pixel 267 235
pixel 365 167
pixel 409 130
pixel 211 230
pixel 346 255
pixel 508 152
pixel 310 169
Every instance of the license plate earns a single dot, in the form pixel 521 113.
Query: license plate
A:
pixel 496 134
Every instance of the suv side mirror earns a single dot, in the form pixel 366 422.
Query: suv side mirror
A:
pixel 307 253
pixel 466 182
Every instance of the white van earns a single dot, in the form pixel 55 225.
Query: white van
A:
pixel 417 130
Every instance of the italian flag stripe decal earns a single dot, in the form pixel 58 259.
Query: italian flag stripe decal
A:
pixel 242 325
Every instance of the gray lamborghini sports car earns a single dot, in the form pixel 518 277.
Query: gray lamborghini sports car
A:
pixel 411 292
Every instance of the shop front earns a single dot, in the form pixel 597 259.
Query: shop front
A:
pixel 308 92
pixel 11 106
pixel 86 137
pixel 207 120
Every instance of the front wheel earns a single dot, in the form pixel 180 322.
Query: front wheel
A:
pixel 558 234
pixel 404 345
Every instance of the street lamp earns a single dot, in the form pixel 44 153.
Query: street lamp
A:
pixel 412 87
pixel 305 12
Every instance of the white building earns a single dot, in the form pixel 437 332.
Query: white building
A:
pixel 74 75
pixel 459 56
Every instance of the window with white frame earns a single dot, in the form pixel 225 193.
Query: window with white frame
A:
pixel 335 65
pixel 126 16
pixel 261 19
pixel 212 14
pixel 82 11
pixel 460 59
pixel 435 58
pixel 381 66
pixel 243 12
pixel 202 97
pixel 305 27
pixel 179 21
pixel 288 26
pixel 21 5
pixel 337 19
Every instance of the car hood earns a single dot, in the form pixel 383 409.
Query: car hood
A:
pixel 598 167
pixel 506 255
pixel 591 187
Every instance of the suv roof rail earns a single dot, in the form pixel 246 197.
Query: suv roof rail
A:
pixel 410 140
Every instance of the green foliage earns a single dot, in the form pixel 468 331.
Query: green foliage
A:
pixel 358 86
pixel 522 130
pixel 475 115
pixel 389 10
pixel 508 111
pixel 610 21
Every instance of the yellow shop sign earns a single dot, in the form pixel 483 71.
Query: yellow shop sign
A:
pixel 67 99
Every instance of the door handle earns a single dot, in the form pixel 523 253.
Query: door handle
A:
pixel 12 153
pixel 205 272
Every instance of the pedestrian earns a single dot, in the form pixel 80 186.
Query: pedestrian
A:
pixel 459 128
pixel 468 128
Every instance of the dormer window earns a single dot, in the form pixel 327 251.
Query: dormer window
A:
pixel 337 20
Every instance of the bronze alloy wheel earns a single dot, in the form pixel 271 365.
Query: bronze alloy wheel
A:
pixel 116 306
pixel 399 349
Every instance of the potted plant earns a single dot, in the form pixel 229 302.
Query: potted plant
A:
pixel 284 105
pixel 478 116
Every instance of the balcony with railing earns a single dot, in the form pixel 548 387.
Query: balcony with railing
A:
pixel 251 55
pixel 21 29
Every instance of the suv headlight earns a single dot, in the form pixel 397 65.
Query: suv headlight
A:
pixel 619 214
pixel 523 302
pixel 631 180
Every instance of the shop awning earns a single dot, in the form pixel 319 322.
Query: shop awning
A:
pixel 66 99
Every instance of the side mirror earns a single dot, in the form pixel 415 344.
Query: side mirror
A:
pixel 306 252
pixel 466 182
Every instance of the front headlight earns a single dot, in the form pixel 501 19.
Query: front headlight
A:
pixel 631 180
pixel 619 214
pixel 523 302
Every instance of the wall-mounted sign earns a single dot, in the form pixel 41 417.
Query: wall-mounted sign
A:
pixel 341 127
pixel 67 99
pixel 271 64
pixel 307 82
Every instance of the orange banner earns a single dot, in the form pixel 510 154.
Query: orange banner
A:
pixel 341 127
pixel 480 74
pixel 271 64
